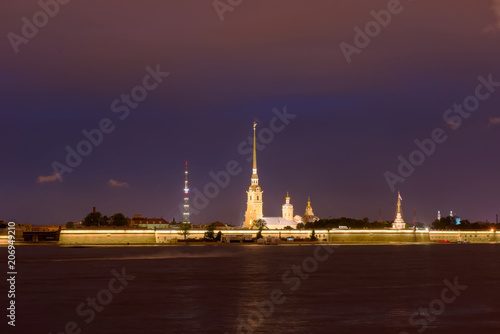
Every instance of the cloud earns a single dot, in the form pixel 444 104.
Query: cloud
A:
pixel 117 184
pixel 50 178
pixel 496 10
pixel 494 121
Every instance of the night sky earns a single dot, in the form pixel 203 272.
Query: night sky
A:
pixel 351 120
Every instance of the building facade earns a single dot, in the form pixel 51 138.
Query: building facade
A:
pixel 287 209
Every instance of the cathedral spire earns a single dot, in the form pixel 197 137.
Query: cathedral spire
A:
pixel 254 148
pixel 254 193
pixel 255 177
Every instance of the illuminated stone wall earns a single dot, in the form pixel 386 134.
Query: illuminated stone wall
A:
pixel 104 237
pixel 107 237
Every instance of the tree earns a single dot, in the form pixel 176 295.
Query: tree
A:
pixel 27 227
pixel 105 221
pixel 209 234
pixel 118 219
pixel 184 230
pixel 445 223
pixel 313 236
pixel 92 219
pixel 70 225
pixel 260 224
pixel 288 228
pixel 310 225
pixel 95 219
pixel 218 237
pixel 300 226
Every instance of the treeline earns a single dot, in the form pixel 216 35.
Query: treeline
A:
pixel 348 222
pixel 450 223
pixel 97 219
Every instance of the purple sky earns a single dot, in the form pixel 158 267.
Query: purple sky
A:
pixel 352 120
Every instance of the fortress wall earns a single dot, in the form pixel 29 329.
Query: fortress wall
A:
pixel 464 236
pixel 103 237
pixel 378 237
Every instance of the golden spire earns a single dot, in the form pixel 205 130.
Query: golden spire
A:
pixel 255 177
pixel 254 149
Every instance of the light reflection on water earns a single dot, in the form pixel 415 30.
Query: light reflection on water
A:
pixel 206 289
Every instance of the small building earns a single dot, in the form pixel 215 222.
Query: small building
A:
pixel 45 228
pixel 149 223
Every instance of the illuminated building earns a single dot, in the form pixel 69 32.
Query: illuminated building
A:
pixel 287 208
pixel 254 193
pixel 309 216
pixel 255 203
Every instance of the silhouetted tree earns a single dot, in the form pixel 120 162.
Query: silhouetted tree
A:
pixel 118 219
pixel 209 234
pixel 184 230
pixel 260 224
pixel 92 219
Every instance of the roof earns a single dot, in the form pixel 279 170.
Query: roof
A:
pixel 274 223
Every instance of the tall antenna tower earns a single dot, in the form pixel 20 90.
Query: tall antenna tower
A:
pixel 379 214
pixel 414 215
pixel 186 197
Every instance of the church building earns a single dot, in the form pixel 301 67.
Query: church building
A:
pixel 255 203
pixel 309 216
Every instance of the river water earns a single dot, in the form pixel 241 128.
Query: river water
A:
pixel 259 289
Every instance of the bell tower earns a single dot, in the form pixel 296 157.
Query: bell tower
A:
pixel 287 209
pixel 254 193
